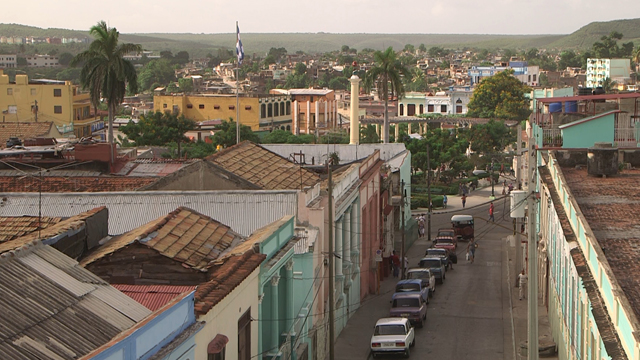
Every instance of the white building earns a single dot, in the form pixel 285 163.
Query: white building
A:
pixel 42 61
pixel 618 70
pixel 8 61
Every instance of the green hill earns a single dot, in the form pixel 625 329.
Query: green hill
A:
pixel 587 35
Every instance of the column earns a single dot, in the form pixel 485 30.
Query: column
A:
pixel 326 111
pixel 397 132
pixel 315 122
pixel 296 118
pixel 356 231
pixel 289 277
pixel 338 248
pixel 355 106
pixel 275 333
pixel 346 254
pixel 335 110
pixel 378 129
pixel 409 128
pixel 308 115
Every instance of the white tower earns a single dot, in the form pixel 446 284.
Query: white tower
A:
pixel 355 107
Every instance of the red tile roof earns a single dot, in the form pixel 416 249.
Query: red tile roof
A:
pixel 264 168
pixel 15 226
pixel 59 184
pixel 183 235
pixel 26 130
pixel 224 278
pixel 153 297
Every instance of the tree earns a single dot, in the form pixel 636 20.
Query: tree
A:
pixel 409 48
pixel 609 86
pixel 345 48
pixel 635 56
pixel 491 138
pixel 500 96
pixel 338 83
pixel 445 148
pixel 422 48
pixel 156 72
pixel 182 57
pixel 568 58
pixel 158 128
pixel 105 72
pixel 186 84
pixel 531 54
pixel 286 137
pixel 369 135
pixel 386 74
pixel 225 134
pixel 65 58
pixel 437 51
pixel 20 61
pixel 608 48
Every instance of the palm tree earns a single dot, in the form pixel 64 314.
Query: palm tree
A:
pixel 635 56
pixel 386 75
pixel 104 71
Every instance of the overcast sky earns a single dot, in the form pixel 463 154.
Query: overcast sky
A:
pixel 331 16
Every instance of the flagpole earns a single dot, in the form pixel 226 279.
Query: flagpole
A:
pixel 237 94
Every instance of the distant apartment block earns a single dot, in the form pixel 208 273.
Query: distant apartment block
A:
pixel 137 56
pixel 42 61
pixel 618 70
pixel 528 75
pixel 8 61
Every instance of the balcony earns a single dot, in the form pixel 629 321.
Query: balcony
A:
pixel 552 137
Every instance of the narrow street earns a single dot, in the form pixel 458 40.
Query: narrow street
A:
pixel 469 315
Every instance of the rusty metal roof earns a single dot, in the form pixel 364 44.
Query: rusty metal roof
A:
pixel 53 309
pixel 264 168
pixel 153 297
pixel 183 235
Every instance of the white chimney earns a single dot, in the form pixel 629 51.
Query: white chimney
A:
pixel 355 106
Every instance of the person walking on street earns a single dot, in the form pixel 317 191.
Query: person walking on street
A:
pixel 471 250
pixel 522 284
pixel 491 213
pixel 444 201
pixel 406 267
pixel 464 200
pixel 395 262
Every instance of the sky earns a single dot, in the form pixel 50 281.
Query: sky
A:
pixel 330 16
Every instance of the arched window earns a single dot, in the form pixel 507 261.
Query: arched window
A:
pixel 270 110
pixel 276 110
pixel 288 127
pixel 288 107
pixel 263 111
pixel 282 108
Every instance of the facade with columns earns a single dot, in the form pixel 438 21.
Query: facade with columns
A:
pixel 314 111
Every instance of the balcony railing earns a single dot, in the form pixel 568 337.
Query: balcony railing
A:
pixel 552 137
pixel 626 137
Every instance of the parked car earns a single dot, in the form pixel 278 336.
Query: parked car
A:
pixel 436 265
pixel 392 335
pixel 447 256
pixel 446 232
pixel 409 305
pixel 463 226
pixel 413 286
pixel 426 276
pixel 446 242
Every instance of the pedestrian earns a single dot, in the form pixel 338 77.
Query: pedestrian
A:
pixel 421 226
pixel 491 212
pixel 406 267
pixel 395 262
pixel 501 169
pixel 522 284
pixel 471 249
pixel 464 200
pixel 504 192
pixel 444 201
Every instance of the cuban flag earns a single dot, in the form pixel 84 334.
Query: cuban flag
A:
pixel 239 48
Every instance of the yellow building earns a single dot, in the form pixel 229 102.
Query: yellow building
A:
pixel 58 102
pixel 201 107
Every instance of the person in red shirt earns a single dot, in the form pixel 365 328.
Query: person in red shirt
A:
pixel 395 261
pixel 491 212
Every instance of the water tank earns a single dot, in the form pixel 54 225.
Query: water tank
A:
pixel 571 107
pixel 602 160
pixel 598 91
pixel 555 107
pixel 518 203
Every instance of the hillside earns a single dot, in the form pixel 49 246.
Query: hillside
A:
pixel 587 35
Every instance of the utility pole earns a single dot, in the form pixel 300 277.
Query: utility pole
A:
pixel 518 244
pixel 36 109
pixel 532 255
pixel 429 194
pixel 402 223
pixel 332 284
pixel 493 196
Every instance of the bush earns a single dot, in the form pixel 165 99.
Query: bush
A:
pixel 422 201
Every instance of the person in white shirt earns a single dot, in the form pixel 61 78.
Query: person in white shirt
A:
pixel 522 283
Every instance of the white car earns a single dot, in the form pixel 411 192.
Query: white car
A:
pixel 392 335
pixel 429 280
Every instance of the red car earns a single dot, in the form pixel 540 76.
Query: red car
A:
pixel 446 242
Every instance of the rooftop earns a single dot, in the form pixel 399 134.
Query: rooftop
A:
pixel 264 168
pixel 25 130
pixel 59 184
pixel 183 235
pixel 12 227
pixel 224 278
pixel 54 309
pixel 153 297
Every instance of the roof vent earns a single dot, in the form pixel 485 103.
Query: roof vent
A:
pixel 602 160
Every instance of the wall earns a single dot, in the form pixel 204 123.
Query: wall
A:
pixel 23 95
pixel 249 107
pixel 73 243
pixel 586 134
pixel 223 319
pixel 201 175
pixel 370 227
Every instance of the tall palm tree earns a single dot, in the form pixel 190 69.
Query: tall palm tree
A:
pixel 104 71
pixel 635 56
pixel 386 74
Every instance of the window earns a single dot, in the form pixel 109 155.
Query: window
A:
pixel 232 107
pixel 57 92
pixel 458 109
pixel 247 107
pixel 57 109
pixel 534 77
pixel 263 111
pixel 421 108
pixel 216 107
pixel 411 109
pixel 401 109
pixel 270 110
pixel 276 110
pixel 164 106
pixel 443 108
pixel 282 108
pixel 429 108
pixel 200 106
pixel 189 106
pixel 288 108
pixel 9 91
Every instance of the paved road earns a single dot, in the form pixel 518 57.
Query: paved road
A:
pixel 468 317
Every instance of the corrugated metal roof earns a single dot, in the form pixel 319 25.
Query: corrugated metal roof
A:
pixel 48 312
pixel 153 297
pixel 244 211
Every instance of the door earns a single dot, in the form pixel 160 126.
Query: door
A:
pixel 244 336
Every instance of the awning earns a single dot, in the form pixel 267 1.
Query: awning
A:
pixel 217 344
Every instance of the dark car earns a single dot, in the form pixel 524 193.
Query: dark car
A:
pixel 410 306
pixel 413 286
pixel 447 256
pixel 436 265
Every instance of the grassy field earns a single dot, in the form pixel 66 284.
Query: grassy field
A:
pixel 198 45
